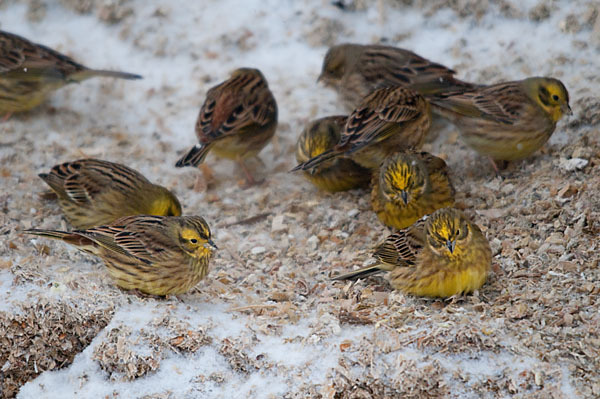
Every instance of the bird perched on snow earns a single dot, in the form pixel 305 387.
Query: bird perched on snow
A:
pixel 29 72
pixel 157 255
pixel 507 121
pixel 236 121
pixel 387 121
pixel 356 70
pixel 337 174
pixel 92 192
pixel 442 255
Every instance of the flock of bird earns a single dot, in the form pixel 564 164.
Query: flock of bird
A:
pixel 136 226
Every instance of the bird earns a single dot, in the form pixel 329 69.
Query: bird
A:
pixel 441 255
pixel 29 72
pixel 388 120
pixel 409 186
pixel 236 121
pixel 338 174
pixel 507 121
pixel 94 192
pixel 155 255
pixel 356 70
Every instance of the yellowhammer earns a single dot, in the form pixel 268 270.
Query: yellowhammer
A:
pixel 30 71
pixel 388 120
pixel 92 192
pixel 236 121
pixel 157 255
pixel 441 255
pixel 356 70
pixel 337 174
pixel 507 121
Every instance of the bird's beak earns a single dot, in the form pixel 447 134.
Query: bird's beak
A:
pixel 566 109
pixel 320 78
pixel 404 196
pixel 210 245
pixel 450 245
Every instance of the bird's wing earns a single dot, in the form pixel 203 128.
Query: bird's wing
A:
pixel 502 102
pixel 402 247
pixel 20 58
pixel 133 236
pixel 373 120
pixel 234 105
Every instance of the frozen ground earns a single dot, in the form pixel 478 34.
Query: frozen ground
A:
pixel 267 322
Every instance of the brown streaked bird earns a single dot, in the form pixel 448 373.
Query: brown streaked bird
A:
pixel 389 120
pixel 156 255
pixel 410 186
pixel 442 255
pixel 236 121
pixel 29 72
pixel 355 70
pixel 507 121
pixel 338 174
pixel 93 192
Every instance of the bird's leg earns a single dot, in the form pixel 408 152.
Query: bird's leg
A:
pixel 250 181
pixel 494 166
pixel 6 117
pixel 204 178
pixel 498 165
pixel 200 183
pixel 143 295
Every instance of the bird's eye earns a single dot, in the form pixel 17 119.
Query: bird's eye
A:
pixel 555 97
pixel 194 241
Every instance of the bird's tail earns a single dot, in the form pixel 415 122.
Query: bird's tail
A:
pixel 56 234
pixel 316 161
pixel 70 238
pixel 194 157
pixel 442 87
pixel 54 182
pixel 90 73
pixel 360 273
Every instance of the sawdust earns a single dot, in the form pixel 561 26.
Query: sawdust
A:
pixel 282 240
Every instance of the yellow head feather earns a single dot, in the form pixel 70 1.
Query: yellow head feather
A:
pixel 403 177
pixel 448 233
pixel 550 94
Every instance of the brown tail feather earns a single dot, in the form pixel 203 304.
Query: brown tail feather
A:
pixel 316 161
pixel 70 238
pixel 90 73
pixel 360 273
pixel 194 157
pixel 54 182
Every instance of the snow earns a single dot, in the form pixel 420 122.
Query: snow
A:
pixel 84 379
pixel 181 55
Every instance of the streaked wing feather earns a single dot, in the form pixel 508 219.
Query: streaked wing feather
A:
pixel 18 53
pixel 79 189
pixel 130 236
pixel 11 55
pixel 501 103
pixel 402 247
pixel 237 103
pixel 86 178
pixel 367 124
pixel 433 163
pixel 141 240
pixel 103 236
